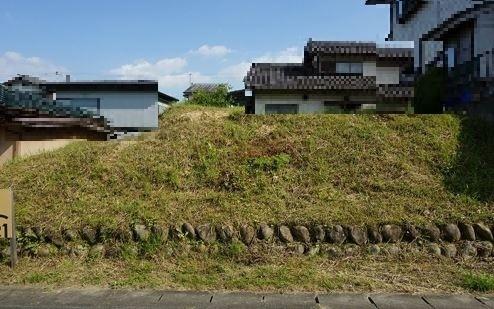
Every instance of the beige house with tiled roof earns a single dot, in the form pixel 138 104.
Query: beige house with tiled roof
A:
pixel 335 77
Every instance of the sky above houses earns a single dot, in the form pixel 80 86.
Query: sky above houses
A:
pixel 172 41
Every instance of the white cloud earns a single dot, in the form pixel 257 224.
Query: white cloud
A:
pixel 239 70
pixel 13 63
pixel 143 69
pixel 236 71
pixel 173 75
pixel 289 55
pixel 213 51
pixel 169 72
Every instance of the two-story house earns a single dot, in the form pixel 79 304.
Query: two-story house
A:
pixel 457 35
pixel 335 77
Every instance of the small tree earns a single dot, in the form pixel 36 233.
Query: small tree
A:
pixel 219 97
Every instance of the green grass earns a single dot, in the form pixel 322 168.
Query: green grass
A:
pixel 217 165
pixel 257 270
pixel 479 282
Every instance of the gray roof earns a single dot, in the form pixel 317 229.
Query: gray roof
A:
pixel 201 87
pixel 341 47
pixel 356 48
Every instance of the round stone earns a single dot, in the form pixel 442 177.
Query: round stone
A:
pixel 431 233
pixel 140 232
pixel 483 232
pixel 468 250
pixel 226 233
pixel 484 249
pixel 434 249
pixel 411 233
pixel 97 251
pixel 449 251
pixel 467 232
pixel 265 232
pixel 297 249
pixel 301 233
pixel 313 251
pixel 44 251
pixel 352 250
pixel 374 250
pixel 333 252
pixel 393 250
pixel 206 233
pixel 188 230
pixel 374 235
pixel 451 233
pixel 357 235
pixel 69 235
pixel 285 234
pixel 336 234
pixel 391 233
pixel 248 234
pixel 319 233
pixel 89 234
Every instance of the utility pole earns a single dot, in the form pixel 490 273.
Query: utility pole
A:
pixel 190 79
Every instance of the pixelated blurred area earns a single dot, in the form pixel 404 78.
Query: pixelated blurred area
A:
pixel 37 115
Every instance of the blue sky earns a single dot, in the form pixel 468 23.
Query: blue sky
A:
pixel 167 40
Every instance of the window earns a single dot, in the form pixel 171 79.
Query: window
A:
pixel 349 68
pixel 399 8
pixel 451 57
pixel 343 68
pixel 356 68
pixel 273 109
pixel 90 105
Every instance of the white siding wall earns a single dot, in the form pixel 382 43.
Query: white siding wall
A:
pixel 123 109
pixel 388 75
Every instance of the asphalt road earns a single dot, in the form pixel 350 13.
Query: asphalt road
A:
pixel 14 297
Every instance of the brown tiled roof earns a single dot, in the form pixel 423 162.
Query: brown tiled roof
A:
pixel 268 76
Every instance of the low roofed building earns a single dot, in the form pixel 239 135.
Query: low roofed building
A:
pixel 194 88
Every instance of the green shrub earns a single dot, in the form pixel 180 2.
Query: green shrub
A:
pixel 429 92
pixel 479 283
pixel 218 97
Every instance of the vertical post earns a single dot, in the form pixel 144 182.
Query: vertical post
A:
pixel 13 240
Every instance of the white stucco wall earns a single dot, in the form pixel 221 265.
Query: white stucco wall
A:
pixel 123 109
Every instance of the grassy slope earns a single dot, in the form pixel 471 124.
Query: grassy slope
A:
pixel 216 165
pixel 209 165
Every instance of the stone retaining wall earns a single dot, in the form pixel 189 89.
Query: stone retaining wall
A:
pixel 450 240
